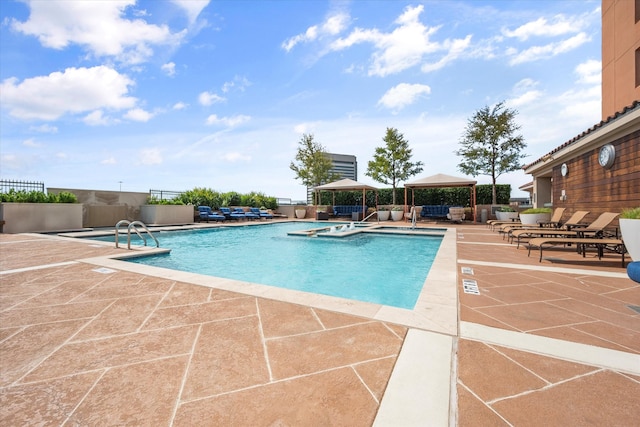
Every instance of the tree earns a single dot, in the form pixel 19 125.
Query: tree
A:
pixel 489 144
pixel 392 163
pixel 313 166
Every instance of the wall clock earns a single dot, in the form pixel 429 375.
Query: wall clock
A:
pixel 607 156
pixel 564 169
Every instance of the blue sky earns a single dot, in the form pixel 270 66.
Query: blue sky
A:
pixel 179 94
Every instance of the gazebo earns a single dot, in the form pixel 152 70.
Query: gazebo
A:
pixel 442 181
pixel 348 185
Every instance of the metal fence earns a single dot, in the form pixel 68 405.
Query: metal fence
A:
pixel 164 194
pixel 6 185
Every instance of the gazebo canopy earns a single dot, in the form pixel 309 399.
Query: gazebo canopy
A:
pixel 441 181
pixel 345 185
pixel 348 185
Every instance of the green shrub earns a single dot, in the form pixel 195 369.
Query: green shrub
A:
pixel 536 211
pixel 154 200
pixel 506 209
pixel 23 196
pixel 633 213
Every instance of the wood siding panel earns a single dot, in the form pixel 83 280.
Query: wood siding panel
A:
pixel 588 186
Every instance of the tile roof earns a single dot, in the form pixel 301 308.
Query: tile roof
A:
pixel 626 110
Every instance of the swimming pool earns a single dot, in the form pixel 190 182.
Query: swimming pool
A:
pixel 377 268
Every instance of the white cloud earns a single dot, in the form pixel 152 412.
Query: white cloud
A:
pixel 150 156
pixel 333 25
pixel 208 98
pixel 235 157
pixel 109 161
pixel 404 47
pixel 45 128
pixel 98 26
pixel 238 82
pixel 138 115
pixel 454 48
pixel 31 143
pixel 403 94
pixel 560 25
pixel 535 53
pixel 180 106
pixel 590 72
pixel 192 7
pixel 227 121
pixel 169 68
pixel 96 118
pixel 76 90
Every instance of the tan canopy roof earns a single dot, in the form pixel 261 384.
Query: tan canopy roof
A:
pixel 442 181
pixel 344 185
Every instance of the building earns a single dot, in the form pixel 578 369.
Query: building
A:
pixel 620 55
pixel 599 170
pixel 344 165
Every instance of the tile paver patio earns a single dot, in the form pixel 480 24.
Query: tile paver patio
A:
pixel 81 345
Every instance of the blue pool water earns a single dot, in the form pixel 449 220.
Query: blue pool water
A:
pixel 383 269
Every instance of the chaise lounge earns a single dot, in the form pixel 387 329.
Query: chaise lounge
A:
pixel 207 214
pixel 573 222
pixel 232 215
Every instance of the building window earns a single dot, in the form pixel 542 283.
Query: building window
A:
pixel 637 70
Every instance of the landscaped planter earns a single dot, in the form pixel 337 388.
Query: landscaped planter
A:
pixel 506 216
pixel 301 213
pixel 534 219
pixel 40 217
pixel 166 214
pixel 383 215
pixel 630 229
pixel 397 215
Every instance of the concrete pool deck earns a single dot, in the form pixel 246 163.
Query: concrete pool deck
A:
pixel 86 339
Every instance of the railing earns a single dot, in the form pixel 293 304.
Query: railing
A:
pixel 134 226
pixel 164 194
pixel 7 184
pixel 369 216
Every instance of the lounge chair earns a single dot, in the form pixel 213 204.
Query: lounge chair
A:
pixel 247 215
pixel 207 214
pixel 600 244
pixel 415 210
pixel 456 214
pixel 573 222
pixel 232 215
pixel 262 213
pixel 555 219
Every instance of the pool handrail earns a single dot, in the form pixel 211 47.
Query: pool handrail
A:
pixel 369 216
pixel 134 226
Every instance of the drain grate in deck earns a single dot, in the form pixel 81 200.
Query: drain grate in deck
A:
pixel 635 308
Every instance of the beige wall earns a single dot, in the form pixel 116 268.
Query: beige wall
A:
pixel 106 208
pixel 620 40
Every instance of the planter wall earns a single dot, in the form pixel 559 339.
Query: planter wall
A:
pixel 40 217
pixel 630 229
pixel 532 219
pixel 166 214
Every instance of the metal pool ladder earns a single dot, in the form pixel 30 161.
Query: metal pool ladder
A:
pixel 134 226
